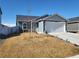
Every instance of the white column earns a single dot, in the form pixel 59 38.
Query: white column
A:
pixel 31 26
pixel 22 26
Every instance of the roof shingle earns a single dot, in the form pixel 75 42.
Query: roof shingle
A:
pixel 25 18
pixel 74 19
pixel 55 18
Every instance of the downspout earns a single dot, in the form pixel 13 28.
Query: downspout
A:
pixel 44 26
pixel 22 27
pixel 78 27
pixel 66 26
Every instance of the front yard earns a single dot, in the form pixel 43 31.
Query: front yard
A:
pixel 37 45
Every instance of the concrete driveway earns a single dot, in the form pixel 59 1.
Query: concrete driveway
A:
pixel 72 37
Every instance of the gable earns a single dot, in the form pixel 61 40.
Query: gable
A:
pixel 55 18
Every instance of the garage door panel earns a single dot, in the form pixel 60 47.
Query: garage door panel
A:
pixel 55 27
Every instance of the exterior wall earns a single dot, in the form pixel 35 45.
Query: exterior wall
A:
pixel 34 26
pixel 28 26
pixel 72 27
pixel 40 27
pixel 19 24
pixel 57 18
pixel 55 27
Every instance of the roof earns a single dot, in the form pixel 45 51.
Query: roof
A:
pixel 41 17
pixel 25 18
pixel 2 25
pixel 74 19
pixel 0 11
pixel 54 18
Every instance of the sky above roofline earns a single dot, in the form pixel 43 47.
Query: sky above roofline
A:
pixel 11 8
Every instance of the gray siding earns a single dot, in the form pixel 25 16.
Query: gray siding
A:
pixel 28 25
pixel 56 18
pixel 19 24
pixel 73 27
pixel 24 22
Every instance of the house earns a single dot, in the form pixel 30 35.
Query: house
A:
pixel 73 24
pixel 4 30
pixel 44 24
pixel 0 15
pixel 26 22
pixel 51 24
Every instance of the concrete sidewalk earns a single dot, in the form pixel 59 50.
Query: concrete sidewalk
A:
pixel 77 56
pixel 72 37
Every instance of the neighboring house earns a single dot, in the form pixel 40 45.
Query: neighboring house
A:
pixel 24 22
pixel 4 30
pixel 51 24
pixel 73 24
pixel 0 15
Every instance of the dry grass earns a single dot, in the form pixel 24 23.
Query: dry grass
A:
pixel 36 45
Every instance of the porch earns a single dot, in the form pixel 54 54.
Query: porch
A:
pixel 27 26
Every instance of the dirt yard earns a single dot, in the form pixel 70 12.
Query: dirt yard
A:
pixel 37 45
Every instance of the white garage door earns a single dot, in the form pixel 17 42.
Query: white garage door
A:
pixel 55 27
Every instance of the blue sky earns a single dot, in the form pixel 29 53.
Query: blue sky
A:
pixel 11 8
